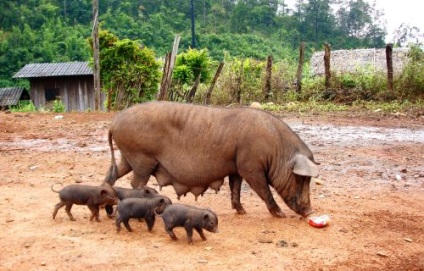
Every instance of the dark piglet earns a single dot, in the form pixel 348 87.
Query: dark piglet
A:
pixel 189 217
pixel 146 208
pixel 92 196
pixel 124 193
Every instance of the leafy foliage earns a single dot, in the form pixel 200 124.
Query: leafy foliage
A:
pixel 249 31
pixel 191 64
pixel 128 70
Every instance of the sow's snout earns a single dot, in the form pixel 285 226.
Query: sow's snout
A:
pixel 298 198
pixel 303 209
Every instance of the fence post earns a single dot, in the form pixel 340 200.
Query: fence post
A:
pixel 300 67
pixel 239 82
pixel 215 78
pixel 327 56
pixel 268 90
pixel 167 70
pixel 389 60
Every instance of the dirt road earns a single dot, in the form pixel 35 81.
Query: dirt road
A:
pixel 372 168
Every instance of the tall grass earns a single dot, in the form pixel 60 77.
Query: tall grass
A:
pixel 242 81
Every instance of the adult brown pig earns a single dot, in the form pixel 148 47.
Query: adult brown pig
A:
pixel 194 147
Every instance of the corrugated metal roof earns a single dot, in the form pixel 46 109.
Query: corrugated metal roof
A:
pixel 10 96
pixel 54 69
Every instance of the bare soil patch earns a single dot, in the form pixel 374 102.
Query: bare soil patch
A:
pixel 373 172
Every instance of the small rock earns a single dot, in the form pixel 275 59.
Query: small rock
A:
pixel 208 248
pixel 256 105
pixel 318 181
pixel 409 240
pixel 33 168
pixel 58 117
pixel 382 254
pixel 203 261
pixel 282 243
pixel 43 264
pixel 9 220
pixel 264 240
pixel 343 230
pixel 294 244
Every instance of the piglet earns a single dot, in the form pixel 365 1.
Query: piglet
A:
pixel 189 217
pixel 92 196
pixel 124 193
pixel 145 208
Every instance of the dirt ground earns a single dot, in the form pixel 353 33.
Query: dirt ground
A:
pixel 372 168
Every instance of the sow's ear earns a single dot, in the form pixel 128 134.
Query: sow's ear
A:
pixel 304 167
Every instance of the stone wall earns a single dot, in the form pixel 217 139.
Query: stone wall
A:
pixel 351 61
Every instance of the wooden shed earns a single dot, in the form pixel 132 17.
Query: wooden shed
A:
pixel 70 82
pixel 11 96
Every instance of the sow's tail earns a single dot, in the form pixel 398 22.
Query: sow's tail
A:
pixel 112 174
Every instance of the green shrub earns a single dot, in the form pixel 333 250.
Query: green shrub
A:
pixel 24 106
pixel 58 106
pixel 410 84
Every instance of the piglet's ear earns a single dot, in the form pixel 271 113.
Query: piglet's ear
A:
pixel 304 167
pixel 103 192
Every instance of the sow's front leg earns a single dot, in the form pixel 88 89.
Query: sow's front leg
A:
pixel 261 187
pixel 235 187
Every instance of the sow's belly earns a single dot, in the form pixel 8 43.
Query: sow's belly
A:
pixel 186 174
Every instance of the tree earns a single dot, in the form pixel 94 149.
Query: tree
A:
pixel 128 70
pixel 354 17
pixel 406 33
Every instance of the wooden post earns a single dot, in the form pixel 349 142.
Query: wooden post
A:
pixel 109 99
pixel 327 55
pixel 96 67
pixel 163 93
pixel 167 70
pixel 239 82
pixel 300 67
pixel 268 90
pixel 389 60
pixel 190 95
pixel 215 78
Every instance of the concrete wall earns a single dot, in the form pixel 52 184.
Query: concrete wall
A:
pixel 351 61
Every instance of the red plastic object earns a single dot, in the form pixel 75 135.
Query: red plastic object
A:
pixel 319 221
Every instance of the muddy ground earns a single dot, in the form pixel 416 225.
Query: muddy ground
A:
pixel 372 168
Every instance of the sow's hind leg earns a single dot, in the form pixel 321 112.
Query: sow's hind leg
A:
pixel 117 171
pixel 143 167
pixel 235 187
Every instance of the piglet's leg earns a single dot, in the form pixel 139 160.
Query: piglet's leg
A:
pixel 58 206
pixel 94 212
pixel 150 221
pixel 68 211
pixel 127 224
pixel 171 233
pixel 189 231
pixel 200 231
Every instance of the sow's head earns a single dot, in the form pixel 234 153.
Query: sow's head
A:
pixel 295 191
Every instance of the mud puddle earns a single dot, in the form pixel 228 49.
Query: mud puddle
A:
pixel 317 135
